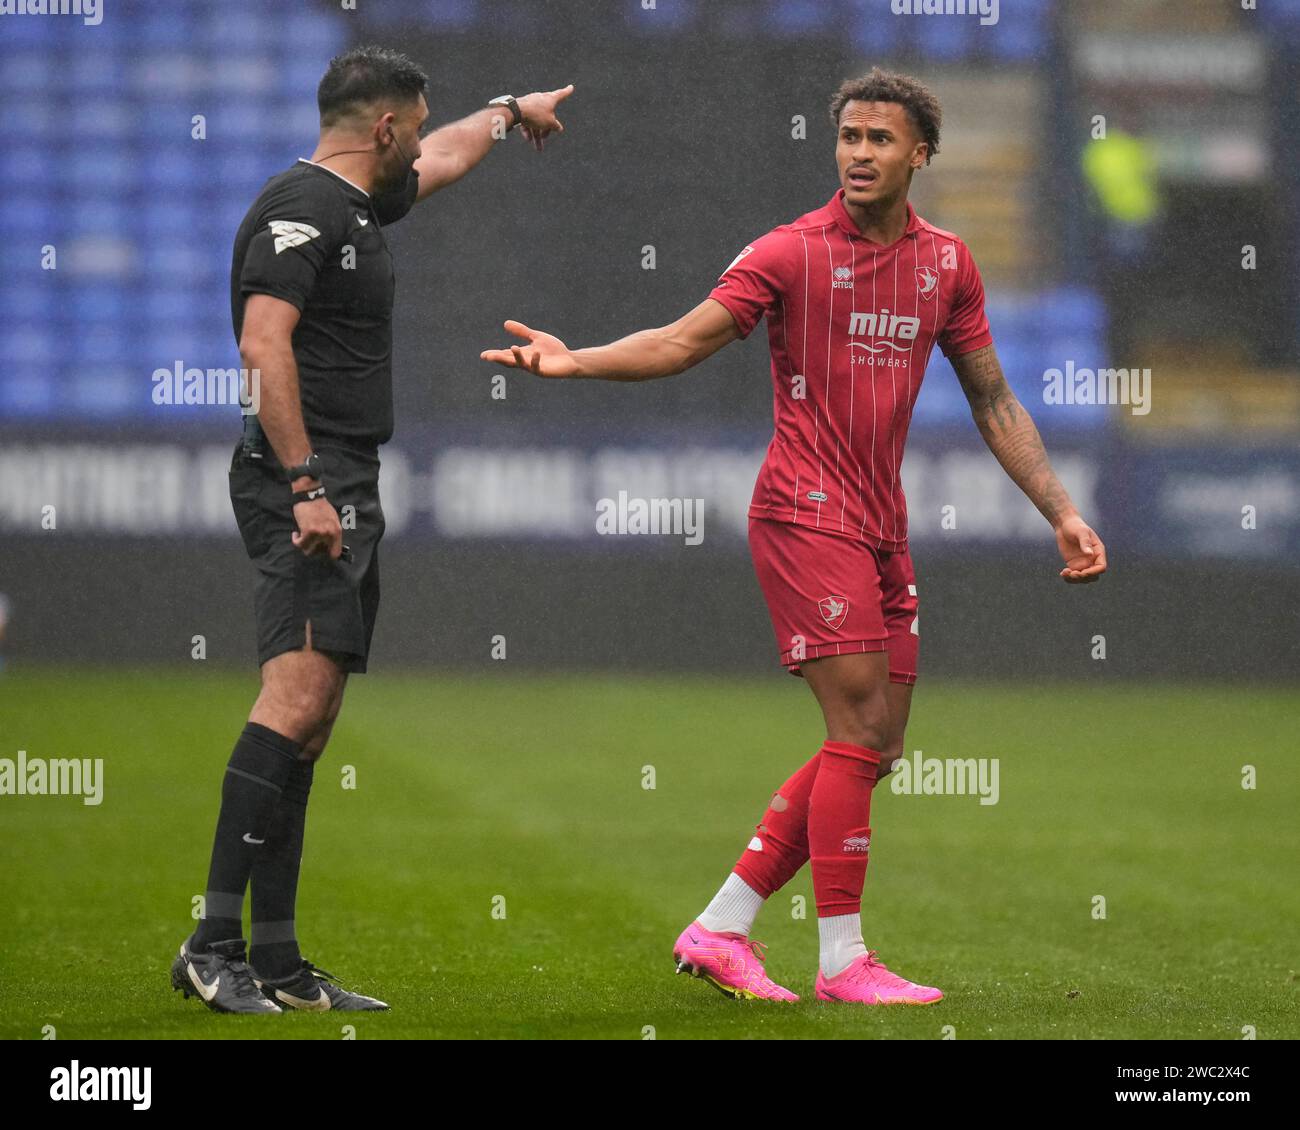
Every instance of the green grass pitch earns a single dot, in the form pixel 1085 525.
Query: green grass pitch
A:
pixel 531 789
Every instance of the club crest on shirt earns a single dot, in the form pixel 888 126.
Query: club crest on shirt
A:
pixel 927 282
pixel 833 609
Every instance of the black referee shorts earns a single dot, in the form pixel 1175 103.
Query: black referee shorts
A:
pixel 340 598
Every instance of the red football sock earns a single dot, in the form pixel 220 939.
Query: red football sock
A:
pixel 839 815
pixel 782 836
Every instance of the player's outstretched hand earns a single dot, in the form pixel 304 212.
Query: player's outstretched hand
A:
pixel 1082 551
pixel 544 355
pixel 537 112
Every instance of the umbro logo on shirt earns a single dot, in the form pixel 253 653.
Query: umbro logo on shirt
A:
pixel 289 233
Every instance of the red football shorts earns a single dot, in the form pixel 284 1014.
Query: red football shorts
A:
pixel 832 595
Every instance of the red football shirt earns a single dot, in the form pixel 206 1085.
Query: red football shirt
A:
pixel 851 325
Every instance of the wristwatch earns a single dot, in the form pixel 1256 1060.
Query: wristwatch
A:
pixel 509 100
pixel 308 469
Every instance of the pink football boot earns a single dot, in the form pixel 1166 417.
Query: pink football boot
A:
pixel 731 963
pixel 867 981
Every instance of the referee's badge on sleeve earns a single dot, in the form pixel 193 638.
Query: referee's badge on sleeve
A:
pixel 289 233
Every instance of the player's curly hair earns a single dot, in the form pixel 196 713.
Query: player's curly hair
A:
pixel 365 75
pixel 890 86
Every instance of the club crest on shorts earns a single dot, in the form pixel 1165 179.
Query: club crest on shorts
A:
pixel 833 609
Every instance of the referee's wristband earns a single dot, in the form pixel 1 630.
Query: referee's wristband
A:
pixel 309 495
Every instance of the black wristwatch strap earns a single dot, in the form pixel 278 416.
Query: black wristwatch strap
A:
pixel 309 495
pixel 308 469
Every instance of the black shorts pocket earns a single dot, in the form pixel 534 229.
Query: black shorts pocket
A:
pixel 246 485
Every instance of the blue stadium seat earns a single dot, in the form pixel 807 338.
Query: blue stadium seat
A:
pixel 104 302
pixel 941 401
pixel 104 121
pixel 115 168
pixel 246 77
pixel 28 391
pixel 102 345
pixel 167 220
pixel 311 33
pixel 872 28
pixel 107 391
pixel 1075 306
pixel 27 345
pixel 35 33
pixel 25 165
pixel 168 78
pixel 945 38
pixel 241 120
pixel 176 169
pixel 20 74
pixel 1022 32
pixel 91 74
pixel 25 301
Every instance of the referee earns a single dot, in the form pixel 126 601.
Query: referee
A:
pixel 311 295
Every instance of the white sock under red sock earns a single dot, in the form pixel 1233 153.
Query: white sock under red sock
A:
pixel 841 942
pixel 733 908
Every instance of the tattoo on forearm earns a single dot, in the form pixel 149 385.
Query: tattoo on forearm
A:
pixel 1009 431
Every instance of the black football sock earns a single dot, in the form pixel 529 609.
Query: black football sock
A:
pixel 255 775
pixel 274 885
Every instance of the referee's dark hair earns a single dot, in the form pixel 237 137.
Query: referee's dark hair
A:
pixel 366 75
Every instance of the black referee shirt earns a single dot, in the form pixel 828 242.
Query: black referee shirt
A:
pixel 312 238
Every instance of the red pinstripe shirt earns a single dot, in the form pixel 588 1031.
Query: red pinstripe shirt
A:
pixel 851 325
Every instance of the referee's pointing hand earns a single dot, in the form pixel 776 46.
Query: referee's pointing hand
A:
pixel 318 530
pixel 537 114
